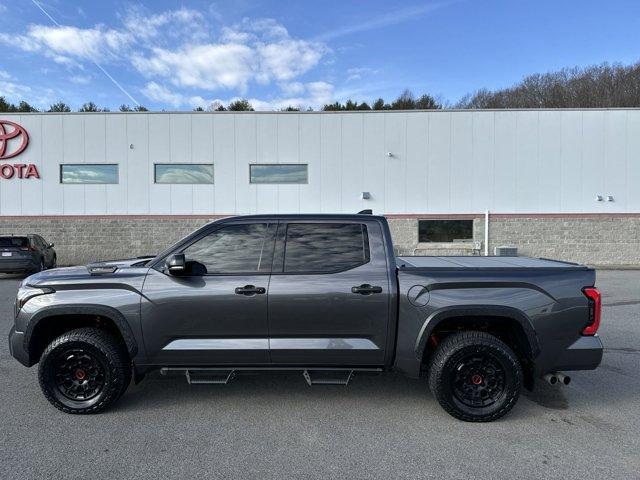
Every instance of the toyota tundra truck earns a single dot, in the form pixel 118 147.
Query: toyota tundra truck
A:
pixel 324 295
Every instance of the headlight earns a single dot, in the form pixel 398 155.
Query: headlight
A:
pixel 27 292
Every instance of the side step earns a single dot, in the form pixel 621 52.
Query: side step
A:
pixel 328 377
pixel 196 376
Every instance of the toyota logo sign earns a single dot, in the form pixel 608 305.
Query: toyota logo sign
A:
pixel 13 139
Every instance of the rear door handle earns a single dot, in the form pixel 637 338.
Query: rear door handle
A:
pixel 250 290
pixel 366 289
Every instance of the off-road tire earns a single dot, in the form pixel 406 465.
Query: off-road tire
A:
pixel 111 360
pixel 455 353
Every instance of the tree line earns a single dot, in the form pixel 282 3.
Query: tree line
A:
pixel 597 86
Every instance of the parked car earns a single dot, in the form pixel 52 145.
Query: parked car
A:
pixel 320 294
pixel 26 254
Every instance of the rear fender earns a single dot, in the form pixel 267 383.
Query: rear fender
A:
pixel 477 311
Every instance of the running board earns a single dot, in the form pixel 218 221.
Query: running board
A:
pixel 204 376
pixel 328 377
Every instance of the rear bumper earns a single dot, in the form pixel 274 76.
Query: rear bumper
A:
pixel 16 347
pixel 18 265
pixel 584 354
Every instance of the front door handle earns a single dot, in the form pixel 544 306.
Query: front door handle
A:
pixel 250 290
pixel 366 289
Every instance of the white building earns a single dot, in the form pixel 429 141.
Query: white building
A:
pixel 557 183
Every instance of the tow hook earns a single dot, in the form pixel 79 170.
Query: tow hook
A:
pixel 557 377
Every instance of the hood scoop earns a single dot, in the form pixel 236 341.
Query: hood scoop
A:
pixel 101 269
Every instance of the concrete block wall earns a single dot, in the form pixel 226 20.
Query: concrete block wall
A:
pixel 82 240
pixel 595 240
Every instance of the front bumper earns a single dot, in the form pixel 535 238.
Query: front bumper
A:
pixel 16 347
pixel 584 354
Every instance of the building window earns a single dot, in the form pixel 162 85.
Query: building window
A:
pixel 183 173
pixel 89 173
pixel 325 247
pixel 445 230
pixel 278 173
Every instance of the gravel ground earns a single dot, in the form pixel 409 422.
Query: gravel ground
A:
pixel 386 426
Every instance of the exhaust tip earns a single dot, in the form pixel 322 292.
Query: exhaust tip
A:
pixel 550 378
pixel 564 379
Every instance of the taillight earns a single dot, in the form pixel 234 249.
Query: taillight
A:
pixel 595 309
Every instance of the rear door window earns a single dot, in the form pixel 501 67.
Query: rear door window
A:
pixel 325 247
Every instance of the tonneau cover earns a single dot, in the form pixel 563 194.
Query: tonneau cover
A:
pixel 475 262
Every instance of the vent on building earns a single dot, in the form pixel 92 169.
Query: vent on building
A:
pixel 506 251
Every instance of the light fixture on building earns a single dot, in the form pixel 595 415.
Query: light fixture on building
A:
pixel 609 198
pixel 131 146
pixel 389 154
pixel 599 198
pixel 365 195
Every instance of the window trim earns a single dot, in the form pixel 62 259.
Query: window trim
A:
pixel 155 181
pixel 441 242
pixel 276 165
pixel 62 165
pixel 206 233
pixel 281 247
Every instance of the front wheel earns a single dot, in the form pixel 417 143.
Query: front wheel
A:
pixel 475 376
pixel 84 371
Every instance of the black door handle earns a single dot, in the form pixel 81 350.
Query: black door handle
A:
pixel 250 290
pixel 366 289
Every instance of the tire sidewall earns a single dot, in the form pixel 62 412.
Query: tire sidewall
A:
pixel 47 373
pixel 451 352
pixel 511 383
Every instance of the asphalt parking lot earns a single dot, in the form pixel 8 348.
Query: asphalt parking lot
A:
pixel 386 426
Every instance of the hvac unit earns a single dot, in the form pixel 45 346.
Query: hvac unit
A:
pixel 506 251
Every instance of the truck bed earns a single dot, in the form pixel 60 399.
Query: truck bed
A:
pixel 482 263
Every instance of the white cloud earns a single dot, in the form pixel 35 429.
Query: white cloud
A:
pixel 184 22
pixel 80 79
pixel 208 67
pixel 161 94
pixel 253 50
pixel 358 72
pixel 313 94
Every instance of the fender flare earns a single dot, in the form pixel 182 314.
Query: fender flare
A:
pixel 84 309
pixel 511 313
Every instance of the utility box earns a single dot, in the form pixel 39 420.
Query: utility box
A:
pixel 505 251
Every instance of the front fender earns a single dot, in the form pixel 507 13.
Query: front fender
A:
pixel 84 309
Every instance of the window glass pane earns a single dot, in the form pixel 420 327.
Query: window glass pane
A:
pixel 20 242
pixel 234 249
pixel 445 230
pixel 183 173
pixel 89 173
pixel 274 173
pixel 325 247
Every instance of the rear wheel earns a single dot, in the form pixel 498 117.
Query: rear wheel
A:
pixel 475 376
pixel 84 371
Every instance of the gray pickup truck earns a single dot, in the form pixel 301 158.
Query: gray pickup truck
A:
pixel 320 294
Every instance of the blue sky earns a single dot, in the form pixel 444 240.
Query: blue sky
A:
pixel 176 55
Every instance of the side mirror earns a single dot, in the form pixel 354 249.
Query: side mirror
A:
pixel 51 245
pixel 176 264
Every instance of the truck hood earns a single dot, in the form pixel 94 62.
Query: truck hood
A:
pixel 98 272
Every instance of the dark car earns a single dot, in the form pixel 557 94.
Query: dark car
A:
pixel 26 254
pixel 320 294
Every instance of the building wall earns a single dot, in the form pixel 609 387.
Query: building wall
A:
pixel 519 161
pixel 537 171
pixel 595 240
